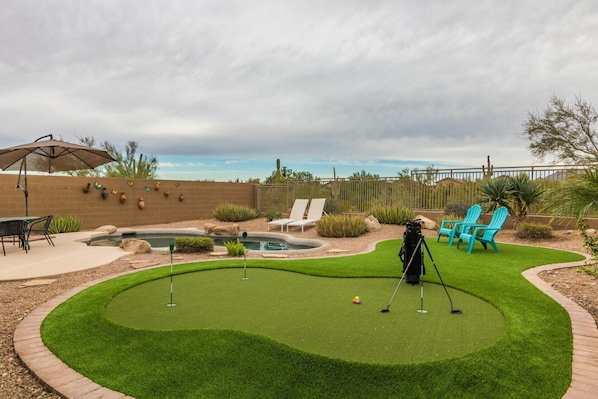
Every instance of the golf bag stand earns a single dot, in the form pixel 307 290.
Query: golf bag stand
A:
pixel 411 254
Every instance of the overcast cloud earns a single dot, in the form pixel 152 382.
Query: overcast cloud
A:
pixel 441 82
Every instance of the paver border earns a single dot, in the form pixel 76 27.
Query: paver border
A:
pixel 58 377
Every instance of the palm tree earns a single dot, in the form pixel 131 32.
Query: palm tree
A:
pixel 578 197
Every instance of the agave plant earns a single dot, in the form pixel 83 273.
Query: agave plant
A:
pixel 525 194
pixel 495 193
pixel 518 194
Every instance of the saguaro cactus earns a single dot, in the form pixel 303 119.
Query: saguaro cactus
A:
pixel 488 171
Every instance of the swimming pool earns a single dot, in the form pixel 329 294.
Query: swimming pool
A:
pixel 254 241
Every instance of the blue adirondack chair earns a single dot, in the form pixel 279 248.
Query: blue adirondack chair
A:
pixel 470 232
pixel 471 217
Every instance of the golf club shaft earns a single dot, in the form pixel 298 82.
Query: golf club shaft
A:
pixel 403 275
pixel 440 278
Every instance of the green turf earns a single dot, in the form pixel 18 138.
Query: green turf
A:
pixel 316 314
pixel 531 360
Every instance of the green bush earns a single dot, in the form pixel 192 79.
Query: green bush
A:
pixel 341 226
pixel 193 244
pixel 533 230
pixel 448 217
pixel 271 215
pixel 332 207
pixel 458 209
pixel 234 213
pixel 235 248
pixel 64 224
pixel 392 215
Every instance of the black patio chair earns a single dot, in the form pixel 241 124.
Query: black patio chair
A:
pixel 41 226
pixel 13 228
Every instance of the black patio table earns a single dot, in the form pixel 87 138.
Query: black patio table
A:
pixel 16 226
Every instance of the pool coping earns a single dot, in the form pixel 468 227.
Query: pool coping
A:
pixel 318 245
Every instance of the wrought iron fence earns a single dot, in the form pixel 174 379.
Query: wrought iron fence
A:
pixel 421 190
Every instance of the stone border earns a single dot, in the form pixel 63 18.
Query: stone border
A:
pixel 59 378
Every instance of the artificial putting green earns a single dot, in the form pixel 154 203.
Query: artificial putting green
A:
pixel 531 360
pixel 316 314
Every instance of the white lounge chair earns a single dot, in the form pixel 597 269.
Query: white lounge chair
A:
pixel 297 213
pixel 316 210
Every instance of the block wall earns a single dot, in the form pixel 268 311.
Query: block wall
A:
pixel 64 195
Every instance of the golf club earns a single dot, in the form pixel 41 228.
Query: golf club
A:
pixel 387 309
pixel 453 310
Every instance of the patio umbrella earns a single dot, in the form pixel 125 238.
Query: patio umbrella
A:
pixel 49 156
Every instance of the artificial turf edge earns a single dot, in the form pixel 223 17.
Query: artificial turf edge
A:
pixel 532 360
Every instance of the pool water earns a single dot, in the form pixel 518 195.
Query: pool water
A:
pixel 164 241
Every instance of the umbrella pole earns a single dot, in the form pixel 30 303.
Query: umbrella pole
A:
pixel 25 189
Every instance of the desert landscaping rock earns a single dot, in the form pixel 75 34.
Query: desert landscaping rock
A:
pixel 17 301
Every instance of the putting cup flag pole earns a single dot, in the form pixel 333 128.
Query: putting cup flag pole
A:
pixel 244 257
pixel 171 251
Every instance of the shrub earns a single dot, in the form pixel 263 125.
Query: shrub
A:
pixel 533 230
pixel 194 244
pixel 447 217
pixel 234 213
pixel 341 226
pixel 392 215
pixel 457 209
pixel 271 215
pixel 235 248
pixel 332 207
pixel 64 224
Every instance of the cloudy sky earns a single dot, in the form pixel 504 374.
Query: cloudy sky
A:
pixel 221 89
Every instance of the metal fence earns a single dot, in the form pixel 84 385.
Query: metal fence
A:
pixel 430 189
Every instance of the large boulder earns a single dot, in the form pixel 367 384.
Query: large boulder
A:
pixel 109 229
pixel 135 245
pixel 211 228
pixel 372 224
pixel 426 223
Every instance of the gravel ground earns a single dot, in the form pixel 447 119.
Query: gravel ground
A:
pixel 16 301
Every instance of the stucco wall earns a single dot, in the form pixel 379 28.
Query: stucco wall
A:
pixel 64 195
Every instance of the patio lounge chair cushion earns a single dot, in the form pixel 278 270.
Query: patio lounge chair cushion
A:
pixel 297 213
pixel 315 213
pixel 471 217
pixel 471 232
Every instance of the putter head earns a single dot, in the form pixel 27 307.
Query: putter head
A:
pixel 385 310
pixel 456 311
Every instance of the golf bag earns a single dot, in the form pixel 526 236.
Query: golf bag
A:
pixel 411 253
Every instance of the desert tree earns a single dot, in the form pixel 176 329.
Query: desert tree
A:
pixel 128 163
pixel 566 132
